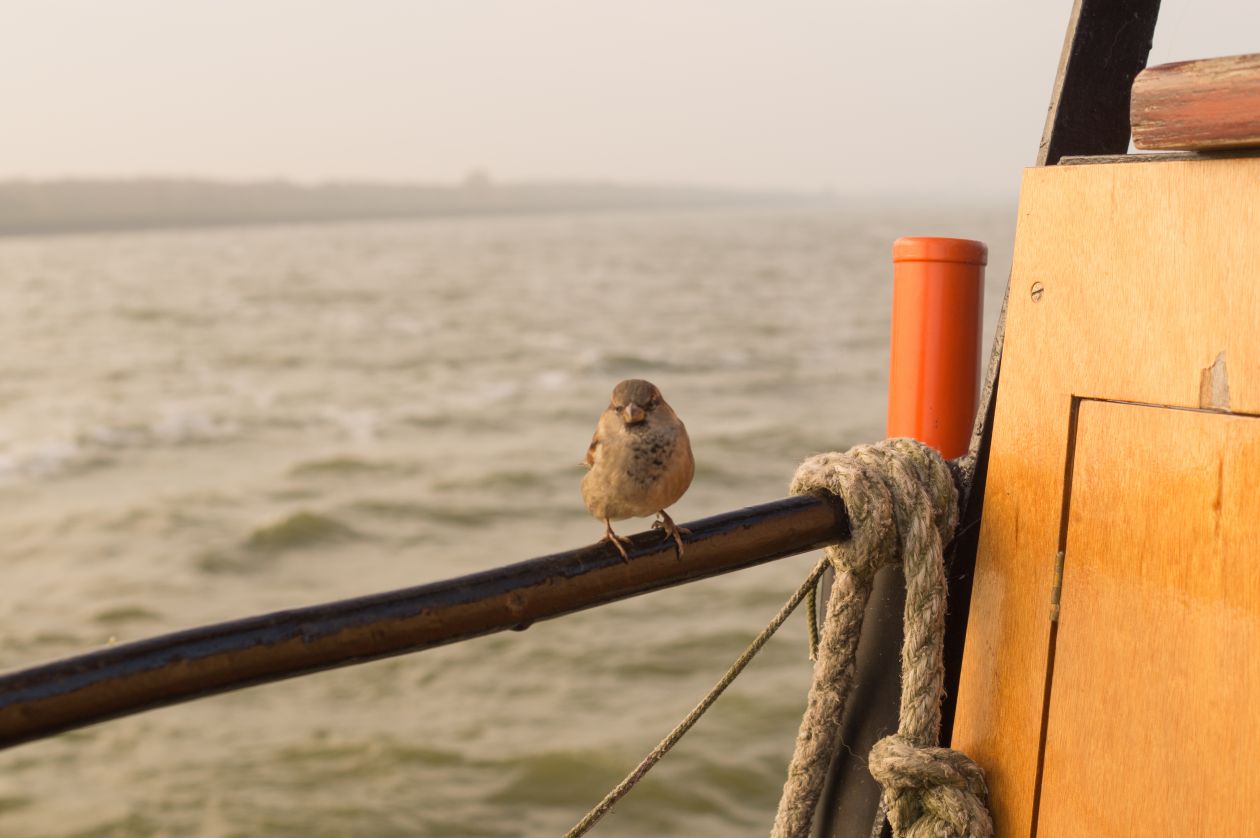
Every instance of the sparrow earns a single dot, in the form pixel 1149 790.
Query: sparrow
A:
pixel 640 462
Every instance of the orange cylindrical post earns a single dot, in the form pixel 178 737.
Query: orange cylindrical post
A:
pixel 933 380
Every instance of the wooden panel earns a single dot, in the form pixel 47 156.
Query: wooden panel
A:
pixel 1210 104
pixel 1153 728
pixel 1145 276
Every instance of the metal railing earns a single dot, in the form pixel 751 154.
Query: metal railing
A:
pixel 143 675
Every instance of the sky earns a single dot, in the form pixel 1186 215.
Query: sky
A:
pixel 855 96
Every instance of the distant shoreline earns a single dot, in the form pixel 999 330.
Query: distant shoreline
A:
pixel 31 208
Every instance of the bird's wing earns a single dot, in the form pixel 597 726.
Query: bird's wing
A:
pixel 590 451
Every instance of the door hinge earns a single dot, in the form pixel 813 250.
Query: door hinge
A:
pixel 1057 589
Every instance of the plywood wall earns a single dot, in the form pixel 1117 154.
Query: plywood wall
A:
pixel 1126 437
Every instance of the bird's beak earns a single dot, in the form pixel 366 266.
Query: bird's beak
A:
pixel 632 414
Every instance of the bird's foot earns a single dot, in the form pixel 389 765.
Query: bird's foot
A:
pixel 672 530
pixel 618 541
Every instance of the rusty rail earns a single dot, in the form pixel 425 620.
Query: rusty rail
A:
pixel 133 677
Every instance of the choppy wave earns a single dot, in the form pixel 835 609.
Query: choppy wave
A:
pixel 377 755
pixel 350 466
pixel 92 446
pixel 49 458
pixel 299 530
pixel 561 778
pixel 121 614
pixel 643 363
pixel 512 479
pixel 459 515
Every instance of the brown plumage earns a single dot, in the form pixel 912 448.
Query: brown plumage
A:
pixel 640 461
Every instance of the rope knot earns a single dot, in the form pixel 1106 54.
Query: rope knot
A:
pixel 888 488
pixel 930 792
pixel 903 507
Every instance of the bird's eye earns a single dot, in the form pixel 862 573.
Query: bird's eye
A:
pixel 619 407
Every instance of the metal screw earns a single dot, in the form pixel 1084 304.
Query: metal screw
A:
pixel 1037 290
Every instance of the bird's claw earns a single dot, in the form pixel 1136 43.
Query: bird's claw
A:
pixel 678 539
pixel 618 541
pixel 672 530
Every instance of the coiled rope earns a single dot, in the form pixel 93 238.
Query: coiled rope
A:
pixel 902 504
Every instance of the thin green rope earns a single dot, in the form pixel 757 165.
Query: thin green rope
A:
pixel 805 590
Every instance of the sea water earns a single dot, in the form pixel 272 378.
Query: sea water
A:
pixel 203 425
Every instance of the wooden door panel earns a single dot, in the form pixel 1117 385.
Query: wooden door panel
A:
pixel 1154 724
